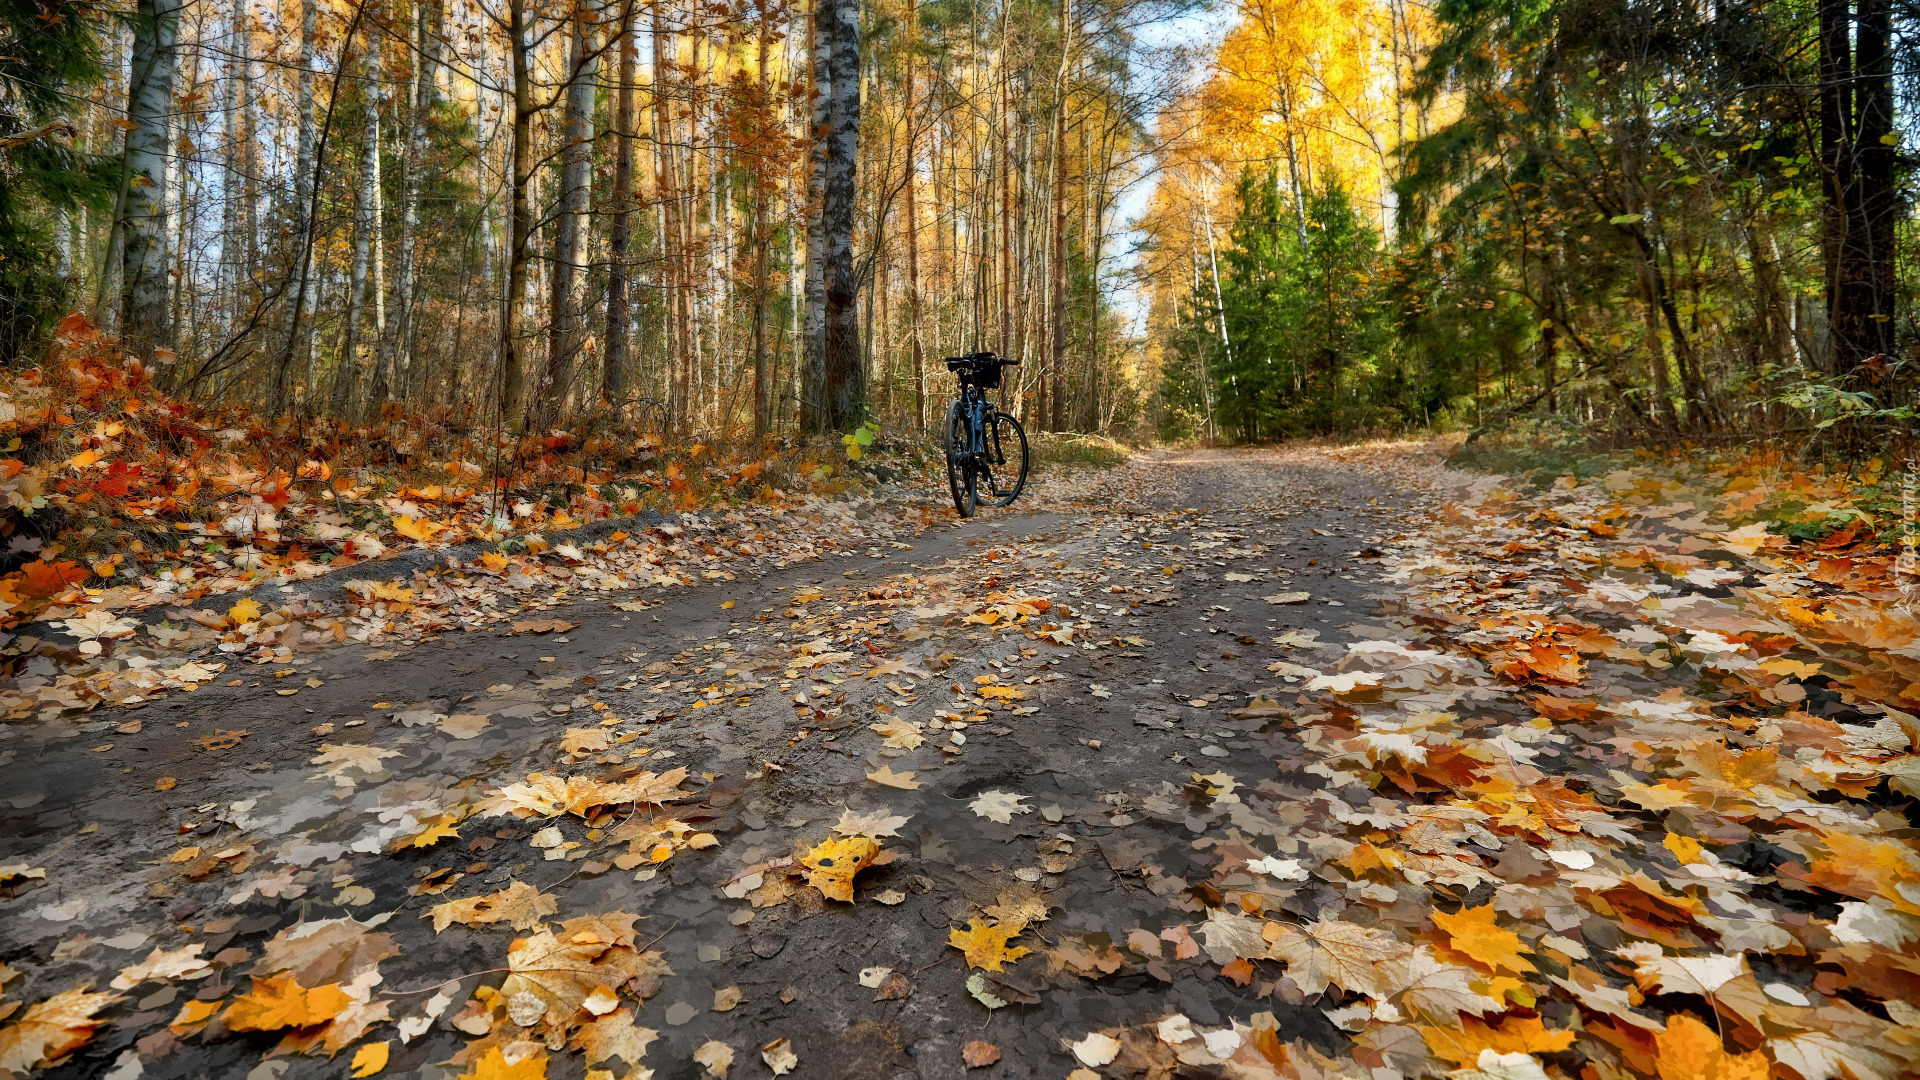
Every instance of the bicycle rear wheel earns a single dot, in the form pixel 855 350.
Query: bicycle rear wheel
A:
pixel 1008 460
pixel 957 479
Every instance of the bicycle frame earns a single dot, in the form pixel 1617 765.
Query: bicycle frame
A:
pixel 975 409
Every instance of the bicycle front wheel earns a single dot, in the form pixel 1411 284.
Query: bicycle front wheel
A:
pixel 957 479
pixel 1008 460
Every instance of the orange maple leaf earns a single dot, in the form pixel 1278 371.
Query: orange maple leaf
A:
pixel 1690 1050
pixel 1475 934
pixel 284 1003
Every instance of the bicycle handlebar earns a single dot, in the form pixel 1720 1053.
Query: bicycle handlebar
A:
pixel 979 359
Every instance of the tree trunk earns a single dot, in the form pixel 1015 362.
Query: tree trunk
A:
pixel 845 387
pixel 813 369
pixel 1856 115
pixel 1057 421
pixel 146 322
pixel 913 225
pixel 520 242
pixel 564 339
pixel 613 386
pixel 364 286
pixel 396 345
pixel 762 238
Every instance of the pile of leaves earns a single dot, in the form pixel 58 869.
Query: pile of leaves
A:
pixel 1625 783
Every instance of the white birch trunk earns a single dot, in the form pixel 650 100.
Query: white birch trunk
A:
pixel 146 321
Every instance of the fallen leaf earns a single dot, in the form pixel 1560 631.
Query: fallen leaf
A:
pixel 543 626
pixel 900 734
pixel 779 1056
pixel 283 1003
pixel 979 1054
pixel 245 611
pixel 999 806
pixel 160 965
pixel 1690 1050
pixel 885 775
pixel 615 1035
pixel 1096 1049
pixel 714 1056
pixel 220 740
pixel 50 1030
pixel 726 999
pixel 988 947
pixel 874 823
pixel 833 863
pixel 1357 958
pixel 1474 933
pixel 1288 598
pixel 493 1065
pixel 371 1058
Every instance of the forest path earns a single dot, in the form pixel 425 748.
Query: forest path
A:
pixel 766 690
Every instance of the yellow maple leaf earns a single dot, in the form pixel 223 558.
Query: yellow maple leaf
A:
pixel 494 1066
pixel 370 1059
pixel 246 611
pixel 436 828
pixel 834 862
pixel 1001 693
pixel 421 530
pixel 50 1030
pixel 283 1003
pixel 1690 1050
pixel 987 947
pixel 494 561
pixel 1475 934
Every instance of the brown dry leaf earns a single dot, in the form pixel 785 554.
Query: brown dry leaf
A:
pixel 581 741
pixel 988 947
pixel 50 1030
pixel 325 951
pixel 1357 958
pixel 727 998
pixel 165 783
pixel 543 626
pixel 979 1054
pixel 833 863
pixel 560 971
pixel 885 775
pixel 221 740
pixel 1021 904
pixel 542 795
pixel 519 905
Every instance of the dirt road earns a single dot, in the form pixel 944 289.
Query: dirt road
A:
pixel 1067 691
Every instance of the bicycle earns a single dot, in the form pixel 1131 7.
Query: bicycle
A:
pixel 982 440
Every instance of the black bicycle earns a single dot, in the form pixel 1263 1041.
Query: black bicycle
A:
pixel 987 455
